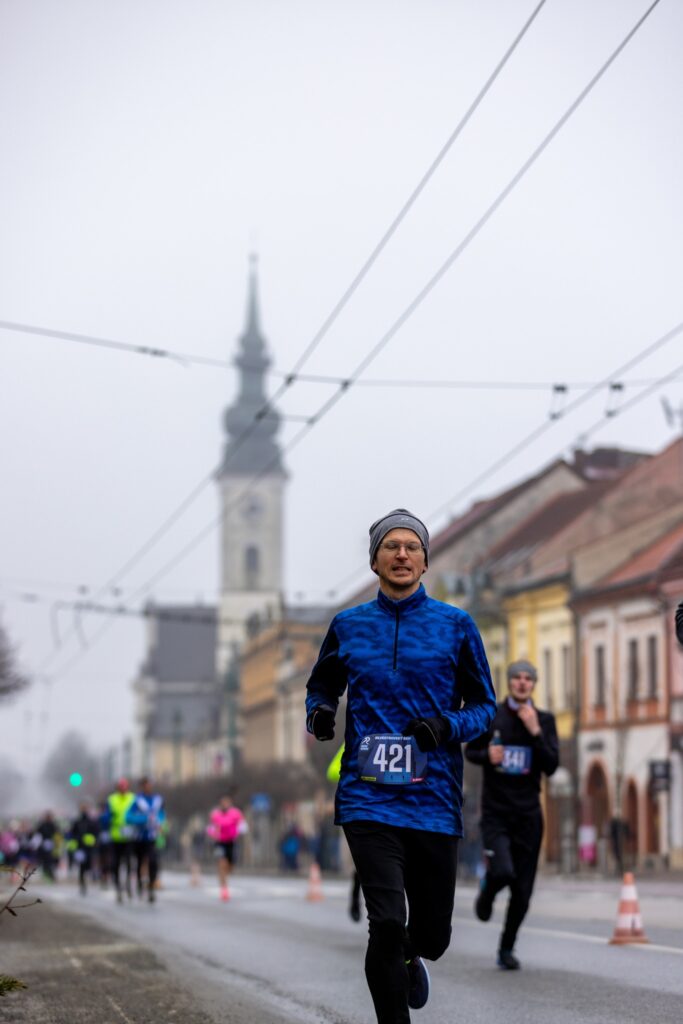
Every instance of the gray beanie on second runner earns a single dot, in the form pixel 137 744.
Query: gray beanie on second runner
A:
pixel 515 667
pixel 398 519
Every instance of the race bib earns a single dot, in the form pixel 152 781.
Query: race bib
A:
pixel 516 761
pixel 391 760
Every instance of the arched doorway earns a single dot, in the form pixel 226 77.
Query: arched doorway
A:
pixel 597 799
pixel 597 813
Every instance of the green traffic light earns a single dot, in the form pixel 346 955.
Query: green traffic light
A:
pixel 75 778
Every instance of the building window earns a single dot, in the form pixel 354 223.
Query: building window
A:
pixel 600 680
pixel 632 670
pixel 567 688
pixel 548 677
pixel 251 566
pixel 652 667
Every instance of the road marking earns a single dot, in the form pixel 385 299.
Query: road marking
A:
pixel 104 949
pixel 118 1009
pixel 581 936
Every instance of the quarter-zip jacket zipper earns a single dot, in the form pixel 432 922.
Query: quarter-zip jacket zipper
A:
pixel 396 639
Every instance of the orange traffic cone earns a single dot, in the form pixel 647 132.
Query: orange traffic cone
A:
pixel 629 926
pixel 315 889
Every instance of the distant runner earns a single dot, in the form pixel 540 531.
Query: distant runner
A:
pixel 225 824
pixel 520 746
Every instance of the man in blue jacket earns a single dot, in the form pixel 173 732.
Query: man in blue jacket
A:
pixel 418 684
pixel 147 816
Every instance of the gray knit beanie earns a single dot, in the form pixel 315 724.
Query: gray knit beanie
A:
pixel 515 667
pixel 398 519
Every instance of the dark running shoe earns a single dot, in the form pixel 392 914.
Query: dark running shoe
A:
pixel 483 905
pixel 507 960
pixel 418 983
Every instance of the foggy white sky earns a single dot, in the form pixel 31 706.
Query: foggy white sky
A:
pixel 148 146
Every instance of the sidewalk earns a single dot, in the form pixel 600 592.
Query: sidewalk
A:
pixel 78 972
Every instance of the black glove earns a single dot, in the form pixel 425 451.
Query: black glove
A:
pixel 322 723
pixel 429 733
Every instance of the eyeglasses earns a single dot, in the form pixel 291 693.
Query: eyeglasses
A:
pixel 392 546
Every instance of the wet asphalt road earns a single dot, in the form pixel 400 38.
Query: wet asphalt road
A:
pixel 271 955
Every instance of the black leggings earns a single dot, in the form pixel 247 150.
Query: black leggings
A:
pixel 395 864
pixel 121 852
pixel 511 847
pixel 146 853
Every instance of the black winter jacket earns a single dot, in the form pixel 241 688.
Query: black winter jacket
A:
pixel 514 787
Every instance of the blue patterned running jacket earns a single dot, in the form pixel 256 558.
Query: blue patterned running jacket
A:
pixel 399 660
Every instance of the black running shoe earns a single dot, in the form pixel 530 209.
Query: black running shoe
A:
pixel 418 983
pixel 483 905
pixel 507 960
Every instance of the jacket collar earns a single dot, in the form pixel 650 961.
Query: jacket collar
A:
pixel 408 604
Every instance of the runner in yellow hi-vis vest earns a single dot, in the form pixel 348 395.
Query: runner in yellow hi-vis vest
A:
pixel 333 772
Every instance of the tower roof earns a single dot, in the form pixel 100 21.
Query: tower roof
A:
pixel 251 446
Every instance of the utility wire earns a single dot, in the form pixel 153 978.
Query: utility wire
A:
pixel 416 302
pixel 543 427
pixel 580 400
pixel 331 318
pixel 321 378
pixel 611 413
pixel 198 615
pixel 386 237
pixel 152 611
pixel 156 352
pixel 291 377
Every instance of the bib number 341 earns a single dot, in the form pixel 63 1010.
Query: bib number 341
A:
pixel 391 760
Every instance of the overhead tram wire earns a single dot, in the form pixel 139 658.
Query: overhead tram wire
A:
pixel 547 424
pixel 288 378
pixel 417 301
pixel 291 377
pixel 168 614
pixel 425 291
pixel 322 331
pixel 413 383
pixel 611 414
pixel 198 615
pixel 578 401
pixel 347 295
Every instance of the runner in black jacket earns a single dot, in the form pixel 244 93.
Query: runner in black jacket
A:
pixel 520 746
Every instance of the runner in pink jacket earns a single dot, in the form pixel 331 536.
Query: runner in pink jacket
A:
pixel 226 823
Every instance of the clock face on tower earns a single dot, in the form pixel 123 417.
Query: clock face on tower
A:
pixel 252 508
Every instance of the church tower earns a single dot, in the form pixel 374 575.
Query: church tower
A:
pixel 252 525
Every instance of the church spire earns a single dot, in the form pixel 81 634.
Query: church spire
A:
pixel 251 446
pixel 253 327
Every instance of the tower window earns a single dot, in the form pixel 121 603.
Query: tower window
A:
pixel 252 566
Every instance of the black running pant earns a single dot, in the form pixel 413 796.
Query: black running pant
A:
pixel 511 846
pixel 120 852
pixel 146 853
pixel 396 865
